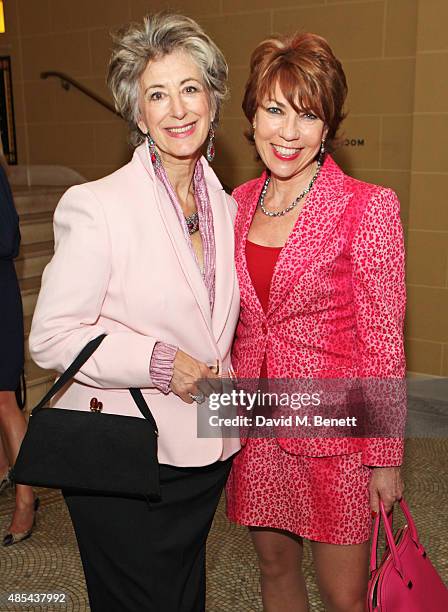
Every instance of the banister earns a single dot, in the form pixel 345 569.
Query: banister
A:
pixel 67 81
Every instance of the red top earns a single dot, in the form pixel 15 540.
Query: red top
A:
pixel 261 262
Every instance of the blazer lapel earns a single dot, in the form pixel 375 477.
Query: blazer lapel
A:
pixel 317 221
pixel 246 210
pixel 224 244
pixel 180 246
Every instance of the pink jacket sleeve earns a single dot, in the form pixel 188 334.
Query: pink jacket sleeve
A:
pixel 380 300
pixel 69 307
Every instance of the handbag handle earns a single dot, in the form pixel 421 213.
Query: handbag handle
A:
pixel 376 532
pixel 77 363
pixel 387 523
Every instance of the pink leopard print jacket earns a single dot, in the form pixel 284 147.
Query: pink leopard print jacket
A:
pixel 337 298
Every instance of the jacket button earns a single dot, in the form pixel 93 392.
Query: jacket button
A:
pixel 264 328
pixel 95 405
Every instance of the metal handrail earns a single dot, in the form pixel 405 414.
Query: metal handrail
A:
pixel 67 81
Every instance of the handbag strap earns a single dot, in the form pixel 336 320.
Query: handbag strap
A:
pixel 69 373
pixel 75 366
pixel 390 538
pixel 375 535
pixel 138 398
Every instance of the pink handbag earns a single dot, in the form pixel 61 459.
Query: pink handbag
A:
pixel 405 580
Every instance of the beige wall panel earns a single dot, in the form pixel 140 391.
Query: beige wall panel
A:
pixel 6 41
pixel 94 172
pixel 64 15
pixel 65 52
pixel 233 150
pixel 70 15
pixel 355 31
pixel 236 175
pixel 62 144
pixel 237 83
pixel 423 357
pixel 396 142
pixel 192 8
pixel 111 143
pixel 11 13
pixel 431 92
pixel 426 317
pixel 99 86
pixel 100 43
pixel 52 103
pixel 429 143
pixel 11 47
pixel 19 102
pixel 233 6
pixel 429 210
pixel 43 99
pixel 432 20
pixel 239 36
pixel 427 258
pixel 380 86
pixel 401 26
pixel 34 16
pixel 80 107
pixel 22 143
pixel 365 129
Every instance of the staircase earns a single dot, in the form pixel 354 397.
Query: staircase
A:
pixel 35 206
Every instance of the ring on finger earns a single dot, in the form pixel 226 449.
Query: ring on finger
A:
pixel 199 398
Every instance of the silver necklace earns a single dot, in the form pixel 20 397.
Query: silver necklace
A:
pixel 301 195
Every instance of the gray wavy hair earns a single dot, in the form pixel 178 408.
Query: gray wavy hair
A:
pixel 159 35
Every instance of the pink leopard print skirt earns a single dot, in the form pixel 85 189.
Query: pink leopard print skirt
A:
pixel 324 499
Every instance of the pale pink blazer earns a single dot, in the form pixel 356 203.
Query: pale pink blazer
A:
pixel 122 267
pixel 337 298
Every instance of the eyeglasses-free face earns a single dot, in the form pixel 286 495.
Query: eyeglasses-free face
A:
pixel 175 106
pixel 287 141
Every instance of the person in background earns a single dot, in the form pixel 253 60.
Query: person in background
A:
pixel 145 255
pixel 12 420
pixel 320 262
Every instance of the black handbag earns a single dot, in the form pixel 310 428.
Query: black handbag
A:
pixel 90 451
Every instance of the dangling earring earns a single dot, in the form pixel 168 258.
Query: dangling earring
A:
pixel 322 148
pixel 155 157
pixel 211 145
pixel 321 152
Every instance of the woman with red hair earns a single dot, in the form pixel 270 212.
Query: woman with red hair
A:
pixel 320 263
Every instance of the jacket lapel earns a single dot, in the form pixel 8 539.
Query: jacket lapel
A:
pixel 224 244
pixel 174 231
pixel 317 221
pixel 246 210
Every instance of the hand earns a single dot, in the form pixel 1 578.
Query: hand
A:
pixel 385 484
pixel 192 376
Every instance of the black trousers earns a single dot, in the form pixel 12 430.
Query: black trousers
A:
pixel 149 557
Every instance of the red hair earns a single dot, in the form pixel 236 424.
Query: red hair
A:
pixel 310 76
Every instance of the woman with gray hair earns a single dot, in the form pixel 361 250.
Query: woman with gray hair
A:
pixel 145 255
